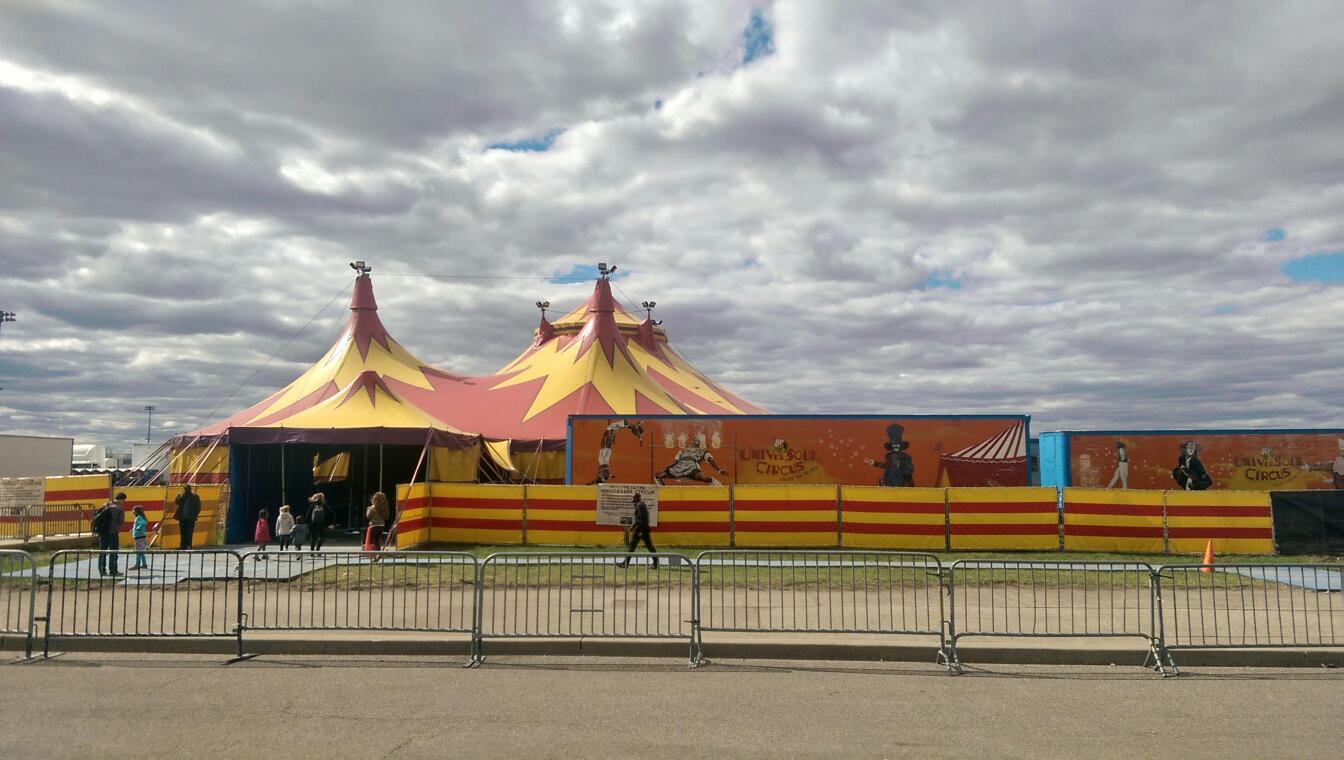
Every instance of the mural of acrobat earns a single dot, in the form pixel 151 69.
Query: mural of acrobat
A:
pixel 636 427
pixel 687 464
pixel 1190 473
pixel 898 467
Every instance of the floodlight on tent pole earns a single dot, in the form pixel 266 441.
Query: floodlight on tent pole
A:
pixel 543 305
pixel 6 316
pixel 604 271
pixel 361 267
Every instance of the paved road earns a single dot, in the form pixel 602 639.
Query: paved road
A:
pixel 549 707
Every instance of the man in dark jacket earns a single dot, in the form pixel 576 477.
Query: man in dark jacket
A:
pixel 108 529
pixel 188 509
pixel 640 531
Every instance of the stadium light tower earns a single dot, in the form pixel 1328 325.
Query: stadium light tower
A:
pixel 149 423
pixel 6 316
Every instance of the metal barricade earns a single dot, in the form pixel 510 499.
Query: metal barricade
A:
pixel 14 522
pixel 1238 606
pixel 1052 599
pixel 882 592
pixel 568 595
pixel 179 594
pixel 62 519
pixel 370 591
pixel 18 596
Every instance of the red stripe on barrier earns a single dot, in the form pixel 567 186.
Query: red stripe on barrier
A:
pixel 784 527
pixel 690 527
pixel 408 526
pixel 1217 511
pixel 471 503
pixel 991 529
pixel 477 523
pixel 418 502
pixel 1116 531
pixel 784 506
pixel 1213 532
pixel 1122 510
pixel 895 529
pixel 994 507
pixel 533 504
pixel 889 508
pixel 692 506
pixel 81 495
pixel 571 525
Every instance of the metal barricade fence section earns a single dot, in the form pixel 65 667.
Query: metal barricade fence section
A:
pixel 820 592
pixel 1250 605
pixel 18 595
pixel 178 593
pixel 381 591
pixel 1051 599
pixel 565 595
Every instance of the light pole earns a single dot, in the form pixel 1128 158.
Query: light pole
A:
pixel 149 423
pixel 6 316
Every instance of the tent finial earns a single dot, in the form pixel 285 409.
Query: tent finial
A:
pixel 361 267
pixel 605 272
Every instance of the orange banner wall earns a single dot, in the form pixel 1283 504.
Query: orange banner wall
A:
pixel 413 515
pixel 893 518
pixel 477 514
pixel 1003 518
pixel 693 516
pixel 785 515
pixel 1238 522
pixel 1102 520
pixel 567 515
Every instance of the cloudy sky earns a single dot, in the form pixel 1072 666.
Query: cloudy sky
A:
pixel 1106 215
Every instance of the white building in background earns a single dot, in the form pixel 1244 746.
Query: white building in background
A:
pixel 148 456
pixel 35 455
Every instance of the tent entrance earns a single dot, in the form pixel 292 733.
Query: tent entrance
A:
pixel 265 476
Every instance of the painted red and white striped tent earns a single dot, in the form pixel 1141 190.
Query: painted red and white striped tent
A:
pixel 1000 460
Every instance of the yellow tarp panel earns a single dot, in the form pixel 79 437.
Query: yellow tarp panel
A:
pixel 567 515
pixel 1238 522
pixel 893 518
pixel 499 452
pixel 1109 520
pixel 332 469
pixel 454 465
pixel 693 516
pixel 199 464
pixel 77 489
pixel 540 465
pixel 481 514
pixel 160 503
pixel 785 516
pixel 413 521
pixel 1003 518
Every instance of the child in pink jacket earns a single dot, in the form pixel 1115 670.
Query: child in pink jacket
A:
pixel 263 532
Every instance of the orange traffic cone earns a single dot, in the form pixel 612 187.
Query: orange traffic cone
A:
pixel 1208 559
pixel 371 546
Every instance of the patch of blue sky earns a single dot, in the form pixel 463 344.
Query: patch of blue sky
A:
pixel 529 144
pixel 758 39
pixel 1225 308
pixel 1275 235
pixel 1326 267
pixel 941 280
pixel 583 273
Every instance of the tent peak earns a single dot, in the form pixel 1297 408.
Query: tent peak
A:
pixel 362 298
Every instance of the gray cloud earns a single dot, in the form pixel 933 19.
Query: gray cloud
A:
pixel 182 186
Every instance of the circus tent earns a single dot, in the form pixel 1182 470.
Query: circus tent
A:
pixel 384 413
pixel 1000 460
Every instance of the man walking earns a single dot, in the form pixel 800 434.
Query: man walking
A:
pixel 107 525
pixel 640 531
pixel 188 509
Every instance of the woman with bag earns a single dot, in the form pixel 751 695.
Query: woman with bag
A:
pixel 377 514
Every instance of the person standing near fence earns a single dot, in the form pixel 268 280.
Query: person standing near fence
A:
pixel 640 531
pixel 140 533
pixel 377 514
pixel 107 525
pixel 188 509
pixel 318 518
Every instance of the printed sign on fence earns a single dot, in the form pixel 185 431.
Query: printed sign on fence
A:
pixel 616 503
pixel 20 492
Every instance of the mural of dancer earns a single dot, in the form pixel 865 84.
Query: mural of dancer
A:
pixel 687 464
pixel 1190 473
pixel 898 467
pixel 608 440
pixel 1121 466
pixel 1335 468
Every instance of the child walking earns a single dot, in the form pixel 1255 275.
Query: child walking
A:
pixel 263 533
pixel 284 526
pixel 300 534
pixel 140 532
